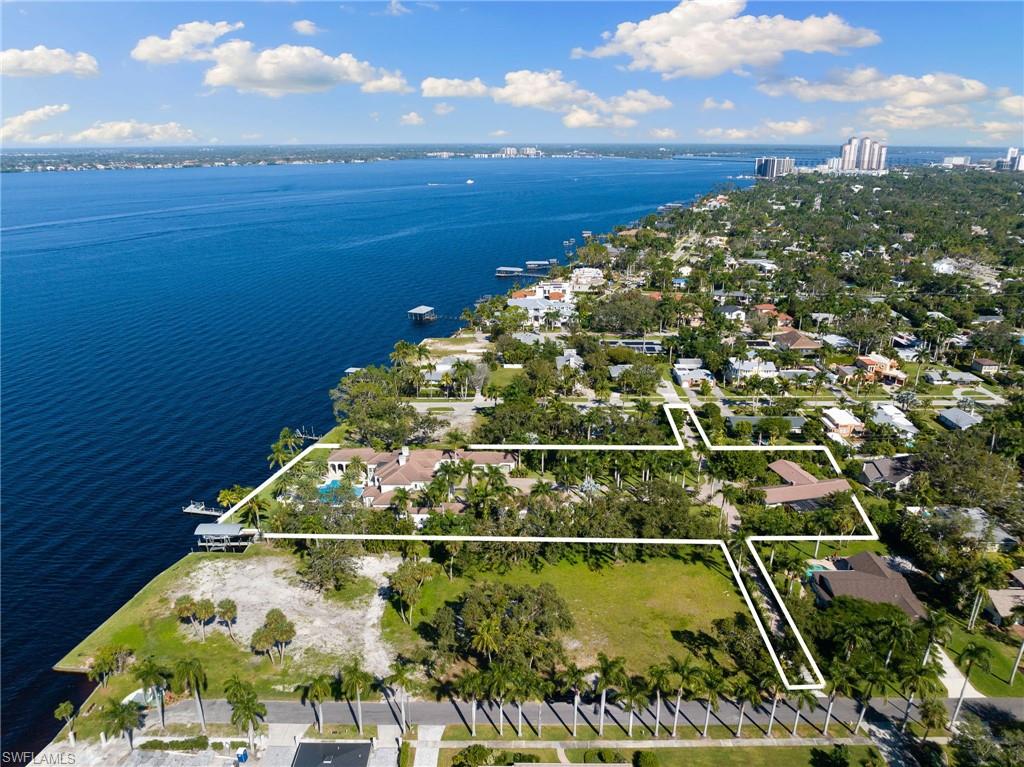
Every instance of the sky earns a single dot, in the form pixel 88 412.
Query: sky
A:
pixel 700 71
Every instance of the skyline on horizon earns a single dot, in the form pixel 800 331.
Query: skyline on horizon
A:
pixel 405 73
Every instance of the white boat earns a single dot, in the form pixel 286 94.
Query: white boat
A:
pixel 470 181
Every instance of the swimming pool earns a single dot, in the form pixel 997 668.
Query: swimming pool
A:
pixel 334 485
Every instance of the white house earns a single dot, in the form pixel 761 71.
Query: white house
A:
pixel 751 366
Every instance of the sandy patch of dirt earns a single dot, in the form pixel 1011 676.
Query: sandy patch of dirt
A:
pixel 258 584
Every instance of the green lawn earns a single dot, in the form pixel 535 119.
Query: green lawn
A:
pixel 338 434
pixel 628 609
pixel 993 682
pixel 764 756
pixel 616 724
pixel 502 377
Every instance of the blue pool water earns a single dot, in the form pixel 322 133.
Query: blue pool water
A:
pixel 334 485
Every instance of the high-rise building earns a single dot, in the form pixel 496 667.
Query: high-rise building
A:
pixel 773 167
pixel 863 154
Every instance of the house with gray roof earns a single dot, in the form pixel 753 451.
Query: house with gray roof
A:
pixel 956 419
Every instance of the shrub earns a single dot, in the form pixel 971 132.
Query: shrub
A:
pixel 514 757
pixel 404 755
pixel 474 756
pixel 645 759
pixel 197 743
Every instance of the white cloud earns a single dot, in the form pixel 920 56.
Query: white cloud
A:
pixel 893 117
pixel 704 38
pixel 271 71
pixel 41 61
pixel 306 27
pixel 411 118
pixel 638 102
pixel 499 133
pixel 710 103
pixel 998 130
pixel 775 129
pixel 577 117
pixel 869 84
pixel 20 128
pixel 1014 105
pixel 395 8
pixel 730 134
pixel 251 136
pixel 134 132
pixel 549 91
pixel 664 134
pixel 446 87
pixel 443 108
pixel 189 41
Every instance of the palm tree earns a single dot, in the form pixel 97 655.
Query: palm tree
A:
pixel 399 681
pixel 253 511
pixel 189 675
pixel 872 679
pixel 800 699
pixel 354 681
pixel 572 680
pixel 938 628
pixel 235 687
pixel 542 688
pixel 1017 616
pixel 610 673
pixel 227 613
pixel 487 637
pixel 633 695
pixel 66 711
pixel 897 632
pixel 973 654
pixel 712 685
pixel 498 680
pixel 774 689
pixel 920 681
pixel 122 717
pixel 932 714
pixel 688 676
pixel 469 689
pixel 153 677
pixel 746 692
pixel 315 691
pixel 205 611
pixel 659 678
pixel 247 712
pixel 840 683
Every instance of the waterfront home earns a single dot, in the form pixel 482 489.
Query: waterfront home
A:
pixel 890 472
pixel 585 278
pixel 794 340
pixel 841 422
pixel 956 419
pixel 866 576
pixel 545 312
pixel 800 488
pixel 739 370
pixel 985 366
pixel 412 470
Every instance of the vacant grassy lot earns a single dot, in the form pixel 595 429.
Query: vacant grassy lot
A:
pixel 628 609
pixel 502 377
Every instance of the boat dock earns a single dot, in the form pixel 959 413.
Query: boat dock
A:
pixel 508 271
pixel 422 314
pixel 541 266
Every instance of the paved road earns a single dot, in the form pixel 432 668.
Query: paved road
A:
pixel 556 714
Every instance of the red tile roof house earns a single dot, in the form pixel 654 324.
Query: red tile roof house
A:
pixel 409 469
pixel 800 485
pixel 878 367
pixel 866 576
pixel 782 319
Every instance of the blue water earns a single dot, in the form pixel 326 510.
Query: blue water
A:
pixel 160 327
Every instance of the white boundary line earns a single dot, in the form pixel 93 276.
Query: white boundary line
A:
pixel 819 680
